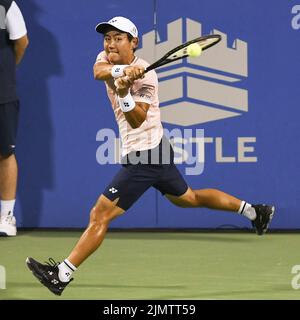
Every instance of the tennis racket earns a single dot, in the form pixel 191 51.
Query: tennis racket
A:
pixel 180 52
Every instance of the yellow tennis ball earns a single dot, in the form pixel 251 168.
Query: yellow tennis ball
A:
pixel 194 50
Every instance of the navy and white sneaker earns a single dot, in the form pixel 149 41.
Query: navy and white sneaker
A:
pixel 47 274
pixel 264 215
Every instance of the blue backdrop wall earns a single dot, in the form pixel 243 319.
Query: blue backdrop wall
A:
pixel 244 94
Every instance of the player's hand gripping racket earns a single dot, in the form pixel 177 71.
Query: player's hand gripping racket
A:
pixel 182 51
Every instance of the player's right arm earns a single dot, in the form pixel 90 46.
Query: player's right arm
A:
pixel 103 69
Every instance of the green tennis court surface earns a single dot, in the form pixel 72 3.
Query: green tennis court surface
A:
pixel 144 265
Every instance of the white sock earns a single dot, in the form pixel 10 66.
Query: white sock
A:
pixel 7 207
pixel 247 210
pixel 66 268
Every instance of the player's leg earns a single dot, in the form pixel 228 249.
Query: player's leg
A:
pixel 101 215
pixel 208 198
pixel 174 187
pixel 8 177
pixel 56 276
pixel 8 167
pixel 126 187
pixel 260 215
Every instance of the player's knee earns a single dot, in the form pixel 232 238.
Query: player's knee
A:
pixel 101 215
pixel 98 217
pixel 190 200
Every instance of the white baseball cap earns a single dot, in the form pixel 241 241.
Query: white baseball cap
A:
pixel 119 23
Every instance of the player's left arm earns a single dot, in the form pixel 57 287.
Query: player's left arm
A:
pixel 20 46
pixel 137 110
pixel 138 115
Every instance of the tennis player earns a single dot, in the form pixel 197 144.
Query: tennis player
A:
pixel 147 155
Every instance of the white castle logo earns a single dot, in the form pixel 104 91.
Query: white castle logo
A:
pixel 198 90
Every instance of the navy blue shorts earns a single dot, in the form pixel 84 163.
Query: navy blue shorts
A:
pixel 9 116
pixel 134 179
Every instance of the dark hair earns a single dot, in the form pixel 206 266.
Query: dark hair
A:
pixel 130 37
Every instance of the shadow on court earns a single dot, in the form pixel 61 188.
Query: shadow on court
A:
pixel 35 134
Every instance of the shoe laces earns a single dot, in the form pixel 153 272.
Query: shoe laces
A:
pixel 52 263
